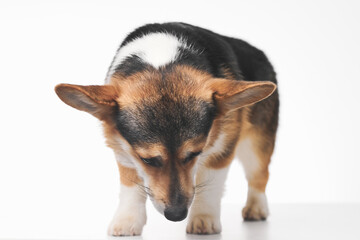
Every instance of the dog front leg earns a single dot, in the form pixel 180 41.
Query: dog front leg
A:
pixel 130 216
pixel 205 212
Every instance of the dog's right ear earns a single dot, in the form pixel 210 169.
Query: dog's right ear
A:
pixel 96 100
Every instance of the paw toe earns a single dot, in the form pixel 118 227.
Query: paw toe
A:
pixel 254 213
pixel 203 224
pixel 125 228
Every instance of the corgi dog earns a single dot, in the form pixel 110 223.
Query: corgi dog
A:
pixel 179 103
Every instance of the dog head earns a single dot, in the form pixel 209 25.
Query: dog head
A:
pixel 159 123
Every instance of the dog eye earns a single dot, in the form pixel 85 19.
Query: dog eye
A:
pixel 190 156
pixel 154 161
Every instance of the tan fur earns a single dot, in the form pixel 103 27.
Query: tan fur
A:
pixel 263 146
pixel 158 180
pixel 143 86
pixel 150 150
pixel 192 145
pixel 182 81
pixel 228 125
pixel 128 176
pixel 137 88
pixel 110 134
pixel 100 98
pixel 236 126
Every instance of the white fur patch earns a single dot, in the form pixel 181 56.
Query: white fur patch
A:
pixel 127 160
pixel 130 216
pixel 156 49
pixel 256 207
pixel 217 147
pixel 256 196
pixel 213 181
pixel 124 157
pixel 205 211
pixel 247 157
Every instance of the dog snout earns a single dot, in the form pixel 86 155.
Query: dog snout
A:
pixel 176 213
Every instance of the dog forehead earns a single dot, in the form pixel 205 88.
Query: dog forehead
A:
pixel 166 121
pixel 150 85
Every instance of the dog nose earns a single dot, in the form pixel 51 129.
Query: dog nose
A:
pixel 176 213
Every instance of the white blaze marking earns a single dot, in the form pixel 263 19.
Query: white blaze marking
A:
pixel 156 49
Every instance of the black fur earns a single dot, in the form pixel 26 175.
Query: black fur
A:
pixel 213 53
pixel 131 65
pixel 167 121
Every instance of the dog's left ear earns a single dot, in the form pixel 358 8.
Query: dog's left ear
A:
pixel 233 94
pixel 96 100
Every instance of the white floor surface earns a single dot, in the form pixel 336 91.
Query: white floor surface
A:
pixel 287 221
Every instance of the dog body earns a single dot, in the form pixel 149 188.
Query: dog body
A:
pixel 176 110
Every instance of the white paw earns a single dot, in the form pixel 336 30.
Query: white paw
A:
pixel 126 226
pixel 203 224
pixel 255 213
pixel 256 207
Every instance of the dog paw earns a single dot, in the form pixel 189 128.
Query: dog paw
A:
pixel 203 224
pixel 127 226
pixel 256 206
pixel 255 212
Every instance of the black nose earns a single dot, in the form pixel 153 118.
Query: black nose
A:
pixel 176 213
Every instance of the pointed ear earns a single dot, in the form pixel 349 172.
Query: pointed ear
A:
pixel 233 94
pixel 96 100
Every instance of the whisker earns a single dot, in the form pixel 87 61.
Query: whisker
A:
pixel 203 186
pixel 145 190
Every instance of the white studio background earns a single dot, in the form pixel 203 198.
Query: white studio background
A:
pixel 57 176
